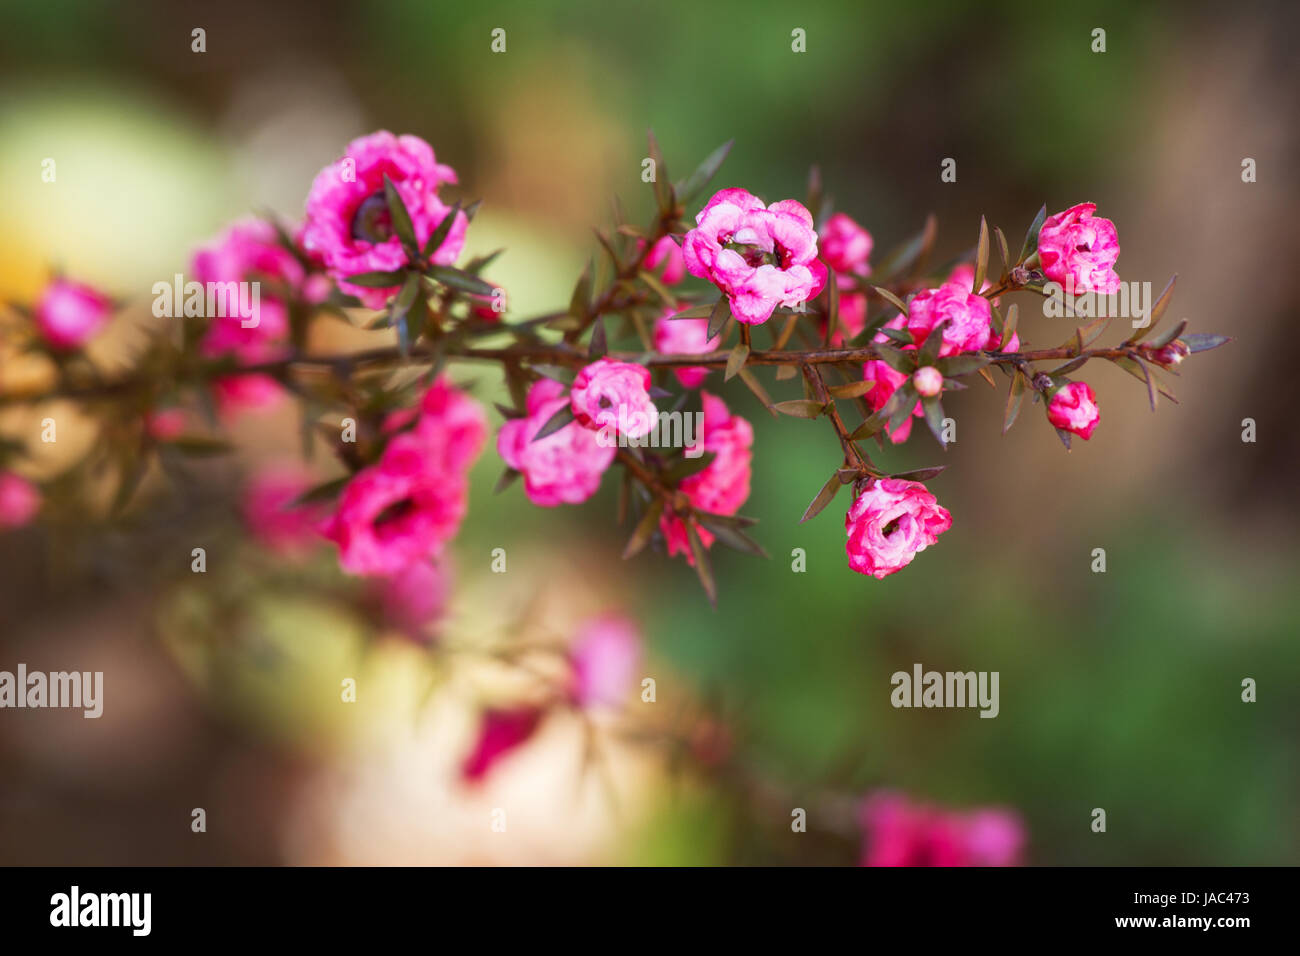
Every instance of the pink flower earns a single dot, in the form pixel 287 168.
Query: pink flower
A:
pixel 760 257
pixel 348 224
pixel 165 424
pixel 565 467
pixel 1073 408
pixel 967 318
pixel 685 336
pixel 928 381
pixel 887 381
pixel 616 396
pixel 19 500
pixel 248 251
pixel 605 657
pixel 501 732
pixel 723 485
pixel 900 833
pixel 853 317
pixel 409 504
pixel 272 518
pixel 846 246
pixel 1078 249
pixel 667 253
pixel 236 394
pixel 414 598
pixel 68 314
pixel 889 523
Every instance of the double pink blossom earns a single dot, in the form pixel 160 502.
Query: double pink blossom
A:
pixel 899 832
pixel 890 523
pixel 69 314
pixel 1073 408
pixel 965 319
pixel 19 500
pixel 685 336
pixel 348 222
pixel 722 486
pixel 408 505
pixel 1076 247
pixel 615 396
pixel 760 257
pixel 566 466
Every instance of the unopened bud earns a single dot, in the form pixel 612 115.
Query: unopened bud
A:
pixel 928 381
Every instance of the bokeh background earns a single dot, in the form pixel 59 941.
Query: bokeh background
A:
pixel 1118 690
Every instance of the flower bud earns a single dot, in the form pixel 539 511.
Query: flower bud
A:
pixel 928 381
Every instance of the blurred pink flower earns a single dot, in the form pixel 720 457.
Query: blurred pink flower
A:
pixel 501 732
pixel 846 246
pixel 415 598
pixel 269 513
pixel 19 500
pixel 685 336
pixel 605 656
pixel 900 833
pixel 667 253
pixel 165 424
pixel 69 314
pixel 248 251
pixel 887 381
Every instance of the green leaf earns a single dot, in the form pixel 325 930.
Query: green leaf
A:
pixel 956 365
pixel 920 474
pixel 892 299
pixel 1203 342
pixel 702 567
pixel 832 308
pixel 897 359
pixel 459 280
pixel 736 361
pixel 1009 326
pixel 401 219
pixel 903 403
pixel 659 289
pixel 1167 336
pixel 376 280
pixel 981 256
pixel 851 389
pixel 934 418
pixel 439 235
pixel 323 492
pixel 508 478
pixel 705 172
pixel 824 497
pixel 685 466
pixel 800 408
pixel 1003 251
pixel 1015 396
pixel 911 252
pixel 703 311
pixel 563 416
pixel 663 188
pixel 1157 311
pixel 1031 237
pixel 598 345
pixel 733 537
pixel 644 530
pixel 195 447
pixel 750 379
pixel 718 317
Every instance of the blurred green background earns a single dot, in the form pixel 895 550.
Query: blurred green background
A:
pixel 1119 690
